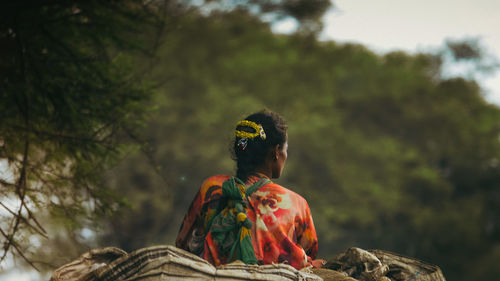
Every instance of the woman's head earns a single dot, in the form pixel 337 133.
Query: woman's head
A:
pixel 254 149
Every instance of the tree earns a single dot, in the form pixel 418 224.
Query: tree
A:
pixel 71 95
pixel 389 153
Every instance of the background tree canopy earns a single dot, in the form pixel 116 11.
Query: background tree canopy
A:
pixel 387 152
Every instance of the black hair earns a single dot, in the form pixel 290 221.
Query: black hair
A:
pixel 256 149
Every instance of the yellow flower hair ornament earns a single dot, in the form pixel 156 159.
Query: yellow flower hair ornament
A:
pixel 244 136
pixel 259 130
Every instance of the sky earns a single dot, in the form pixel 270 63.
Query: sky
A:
pixel 415 26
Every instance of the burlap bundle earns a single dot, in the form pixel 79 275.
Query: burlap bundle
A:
pixel 379 265
pixel 171 263
pixel 167 263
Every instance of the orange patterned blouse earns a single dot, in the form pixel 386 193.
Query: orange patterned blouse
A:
pixel 282 226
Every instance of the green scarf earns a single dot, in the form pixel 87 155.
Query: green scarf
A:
pixel 230 227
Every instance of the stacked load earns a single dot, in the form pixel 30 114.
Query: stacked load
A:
pixel 167 263
pixel 379 265
pixel 171 263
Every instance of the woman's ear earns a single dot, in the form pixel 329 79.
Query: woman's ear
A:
pixel 276 152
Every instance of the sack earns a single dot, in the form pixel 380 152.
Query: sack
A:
pixel 378 265
pixel 86 263
pixel 169 263
pixel 408 269
pixel 331 275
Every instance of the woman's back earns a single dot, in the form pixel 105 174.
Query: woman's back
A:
pixel 282 227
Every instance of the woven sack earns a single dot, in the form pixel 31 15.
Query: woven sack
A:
pixel 379 265
pixel 87 263
pixel 171 263
pixel 408 269
pixel 331 275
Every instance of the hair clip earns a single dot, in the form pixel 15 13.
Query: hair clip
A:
pixel 262 133
pixel 242 143
pixel 259 130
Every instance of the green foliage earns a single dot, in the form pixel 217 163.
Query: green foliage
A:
pixel 70 96
pixel 387 152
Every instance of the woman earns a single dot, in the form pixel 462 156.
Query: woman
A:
pixel 248 217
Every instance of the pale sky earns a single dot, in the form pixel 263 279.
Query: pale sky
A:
pixel 413 26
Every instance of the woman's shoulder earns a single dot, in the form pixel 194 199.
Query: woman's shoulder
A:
pixel 282 198
pixel 213 181
pixel 279 189
pixel 216 179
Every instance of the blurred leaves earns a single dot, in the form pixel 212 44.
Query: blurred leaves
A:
pixel 465 49
pixel 70 94
pixel 388 152
pixel 469 58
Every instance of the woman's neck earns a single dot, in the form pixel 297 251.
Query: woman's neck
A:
pixel 264 172
pixel 255 176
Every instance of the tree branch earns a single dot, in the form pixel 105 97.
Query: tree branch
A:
pixel 40 231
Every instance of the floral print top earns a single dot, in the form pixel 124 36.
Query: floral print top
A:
pixel 282 226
